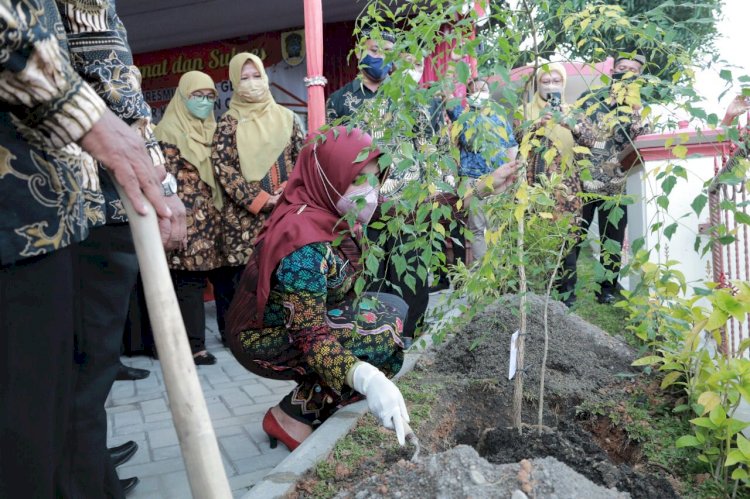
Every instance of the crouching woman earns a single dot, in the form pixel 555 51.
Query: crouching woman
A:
pixel 294 315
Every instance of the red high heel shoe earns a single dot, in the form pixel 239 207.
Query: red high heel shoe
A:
pixel 275 432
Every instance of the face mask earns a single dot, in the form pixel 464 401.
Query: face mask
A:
pixel 252 90
pixel 348 203
pixel 415 74
pixel 546 89
pixel 375 67
pixel 200 108
pixel 478 98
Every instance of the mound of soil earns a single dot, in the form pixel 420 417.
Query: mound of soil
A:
pixel 474 403
pixel 582 359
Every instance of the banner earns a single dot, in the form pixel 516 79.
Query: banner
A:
pixel 280 52
pixel 161 71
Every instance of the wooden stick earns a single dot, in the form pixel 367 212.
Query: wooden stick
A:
pixel 200 451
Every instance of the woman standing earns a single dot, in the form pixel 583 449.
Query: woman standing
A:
pixel 185 134
pixel 254 150
pixel 548 100
pixel 293 316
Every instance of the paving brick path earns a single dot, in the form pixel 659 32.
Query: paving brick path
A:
pixel 237 400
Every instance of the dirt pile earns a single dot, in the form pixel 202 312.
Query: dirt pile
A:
pixel 468 376
pixel 582 360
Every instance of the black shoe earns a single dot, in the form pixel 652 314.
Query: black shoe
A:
pixel 607 298
pixel 128 484
pixel 131 373
pixel 206 359
pixel 122 453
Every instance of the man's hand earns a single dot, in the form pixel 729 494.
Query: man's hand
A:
pixel 122 151
pixel 738 106
pixel 271 202
pixel 173 230
pixel 503 177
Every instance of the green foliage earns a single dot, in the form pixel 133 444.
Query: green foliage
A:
pixel 652 26
pixel 526 230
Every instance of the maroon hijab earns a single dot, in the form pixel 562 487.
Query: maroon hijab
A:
pixel 306 213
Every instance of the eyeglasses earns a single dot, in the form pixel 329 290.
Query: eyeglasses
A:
pixel 207 98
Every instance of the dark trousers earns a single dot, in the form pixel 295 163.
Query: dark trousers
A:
pixel 417 300
pixel 36 343
pixel 189 287
pixel 609 260
pixel 106 269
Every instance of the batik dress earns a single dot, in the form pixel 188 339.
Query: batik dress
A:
pixel 313 333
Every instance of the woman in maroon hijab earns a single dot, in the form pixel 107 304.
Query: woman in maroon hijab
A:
pixel 294 317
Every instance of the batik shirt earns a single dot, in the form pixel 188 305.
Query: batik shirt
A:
pixel 100 53
pixel 347 100
pixel 492 130
pixel 47 107
pixel 307 283
pixel 613 130
pixel 243 215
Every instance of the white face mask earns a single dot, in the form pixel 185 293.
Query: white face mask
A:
pixel 348 203
pixel 545 89
pixel 416 74
pixel 478 98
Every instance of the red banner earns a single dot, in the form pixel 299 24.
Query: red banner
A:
pixel 161 70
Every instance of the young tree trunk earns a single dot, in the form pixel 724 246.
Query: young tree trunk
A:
pixel 540 419
pixel 520 343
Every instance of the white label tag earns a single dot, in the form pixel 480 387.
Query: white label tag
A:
pixel 513 355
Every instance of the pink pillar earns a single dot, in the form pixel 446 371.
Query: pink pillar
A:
pixel 315 81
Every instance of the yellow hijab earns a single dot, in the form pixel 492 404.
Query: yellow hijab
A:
pixel 560 136
pixel 191 135
pixel 264 128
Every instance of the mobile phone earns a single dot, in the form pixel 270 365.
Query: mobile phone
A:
pixel 555 101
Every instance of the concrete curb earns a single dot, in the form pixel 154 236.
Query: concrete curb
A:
pixel 282 479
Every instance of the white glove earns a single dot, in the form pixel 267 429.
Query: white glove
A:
pixel 383 398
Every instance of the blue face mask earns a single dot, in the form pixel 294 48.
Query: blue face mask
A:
pixel 375 67
pixel 200 108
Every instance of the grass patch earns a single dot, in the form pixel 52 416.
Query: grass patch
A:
pixel 609 318
pixel 368 449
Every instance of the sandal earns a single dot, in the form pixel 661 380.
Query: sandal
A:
pixel 205 359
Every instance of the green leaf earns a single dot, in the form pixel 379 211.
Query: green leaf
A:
pixel 663 202
pixel 739 474
pixel 687 441
pixel 670 230
pixel 670 181
pixel 704 423
pixel 734 457
pixel 648 361
pixel 718 415
pixel 744 445
pixel 670 378
pixel 742 217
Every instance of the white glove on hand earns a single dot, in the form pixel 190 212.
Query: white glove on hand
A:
pixel 383 398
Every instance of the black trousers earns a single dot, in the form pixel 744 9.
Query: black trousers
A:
pixel 607 231
pixel 189 287
pixel 36 342
pixel 106 269
pixel 416 300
